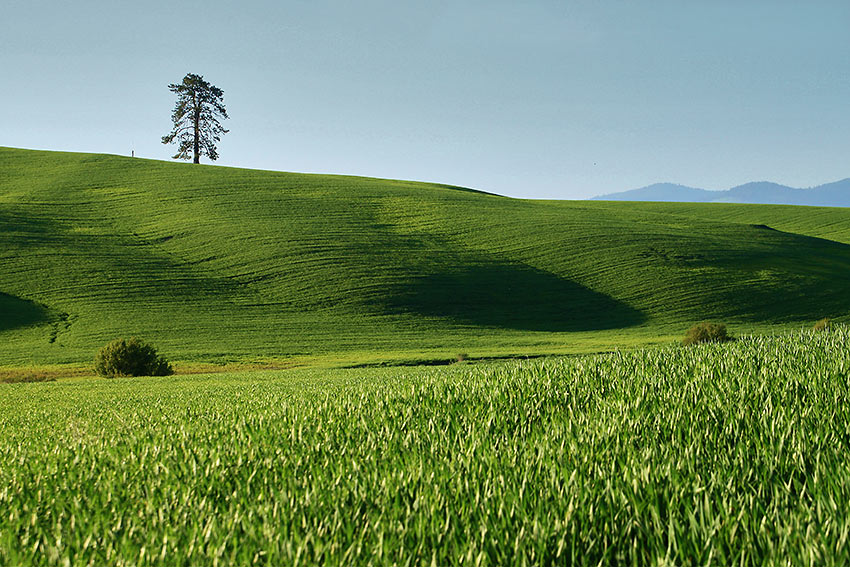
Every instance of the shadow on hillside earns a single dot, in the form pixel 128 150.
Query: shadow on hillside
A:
pixel 16 312
pixel 513 296
pixel 799 278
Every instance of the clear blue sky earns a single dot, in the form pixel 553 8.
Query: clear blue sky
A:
pixel 561 99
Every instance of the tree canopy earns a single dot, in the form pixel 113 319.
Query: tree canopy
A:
pixel 196 116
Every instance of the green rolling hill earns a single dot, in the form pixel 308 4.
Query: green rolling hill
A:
pixel 217 264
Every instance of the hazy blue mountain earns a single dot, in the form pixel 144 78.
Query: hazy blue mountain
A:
pixel 835 194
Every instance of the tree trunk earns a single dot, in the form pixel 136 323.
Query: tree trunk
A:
pixel 197 132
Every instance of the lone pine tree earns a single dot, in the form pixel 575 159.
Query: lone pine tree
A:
pixel 196 116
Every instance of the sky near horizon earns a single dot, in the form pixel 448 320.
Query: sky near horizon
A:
pixel 541 99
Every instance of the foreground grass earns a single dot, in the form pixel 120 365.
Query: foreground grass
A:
pixel 712 455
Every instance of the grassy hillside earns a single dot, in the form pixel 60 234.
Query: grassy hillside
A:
pixel 213 263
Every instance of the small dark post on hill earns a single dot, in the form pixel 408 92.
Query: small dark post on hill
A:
pixel 196 116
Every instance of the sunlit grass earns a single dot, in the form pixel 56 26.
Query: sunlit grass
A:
pixel 707 455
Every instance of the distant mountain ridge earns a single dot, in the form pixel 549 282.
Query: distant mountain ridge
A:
pixel 836 194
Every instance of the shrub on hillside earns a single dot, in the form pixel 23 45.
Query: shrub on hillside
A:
pixel 823 325
pixel 131 357
pixel 707 333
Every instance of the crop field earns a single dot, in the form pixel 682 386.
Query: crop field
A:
pixel 734 454
pixel 217 265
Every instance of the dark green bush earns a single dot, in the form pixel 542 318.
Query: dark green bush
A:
pixel 706 332
pixel 823 325
pixel 131 357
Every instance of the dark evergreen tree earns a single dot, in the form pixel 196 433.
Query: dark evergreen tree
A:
pixel 196 116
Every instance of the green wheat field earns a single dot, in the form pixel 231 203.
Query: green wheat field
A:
pixel 216 264
pixel 713 455
pixel 315 419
